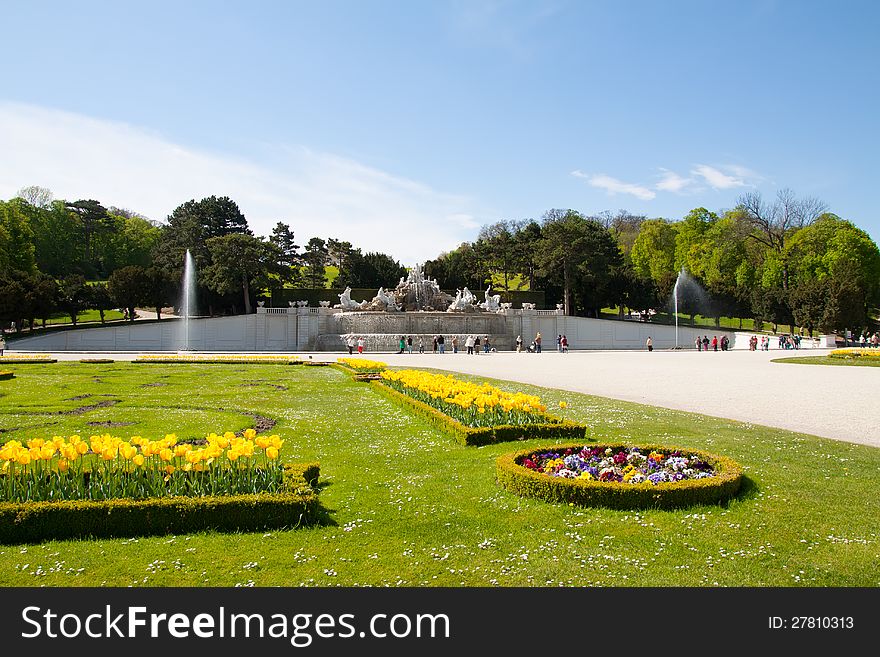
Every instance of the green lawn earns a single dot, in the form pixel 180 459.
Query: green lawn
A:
pixel 411 507
pixel 827 360
pixel 84 316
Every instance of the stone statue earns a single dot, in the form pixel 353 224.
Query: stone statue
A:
pixel 492 303
pixel 464 301
pixel 346 302
pixel 383 301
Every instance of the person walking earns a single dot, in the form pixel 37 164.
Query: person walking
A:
pixel 434 345
pixel 441 344
pixel 469 344
pixel 705 343
pixel 409 343
pixel 360 343
pixel 477 345
pixel 402 344
pixel 564 344
pixel 649 343
pixel 538 342
pixel 486 346
pixel 351 343
pixel 2 345
pixel 714 343
pixel 518 344
pixel 699 343
pixel 421 345
pixel 559 343
pixel 455 344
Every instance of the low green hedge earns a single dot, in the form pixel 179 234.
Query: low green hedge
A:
pixel 616 495
pixel 6 375
pixel 37 522
pixel 356 375
pixel 96 360
pixel 564 429
pixel 26 361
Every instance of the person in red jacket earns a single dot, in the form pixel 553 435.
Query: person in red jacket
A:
pixel 714 343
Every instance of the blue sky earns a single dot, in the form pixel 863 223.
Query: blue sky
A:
pixel 404 126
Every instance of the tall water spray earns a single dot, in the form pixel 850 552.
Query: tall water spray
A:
pixel 188 295
pixel 675 301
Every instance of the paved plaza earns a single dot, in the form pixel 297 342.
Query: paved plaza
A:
pixel 829 401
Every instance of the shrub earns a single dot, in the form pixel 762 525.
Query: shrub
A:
pixel 35 522
pixel 6 375
pixel 560 429
pixel 616 495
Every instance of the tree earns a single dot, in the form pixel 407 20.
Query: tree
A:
pixel 283 238
pixel 653 252
pixel 191 225
pixel 159 289
pixel 340 254
pixel 45 295
pixel 809 300
pixel 832 248
pixel 315 259
pixel 56 240
pixel 74 295
pixel 12 294
pixel 241 262
pixel 577 252
pixel 17 251
pixel 845 306
pixel 39 197
pixel 93 218
pixel 498 248
pixel 773 223
pixel 100 299
pixel 128 287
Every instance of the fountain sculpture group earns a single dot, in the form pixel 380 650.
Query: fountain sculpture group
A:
pixel 417 293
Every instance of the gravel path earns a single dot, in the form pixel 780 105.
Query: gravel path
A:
pixel 829 401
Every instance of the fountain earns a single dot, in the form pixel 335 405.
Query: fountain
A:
pixel 417 307
pixel 675 298
pixel 188 297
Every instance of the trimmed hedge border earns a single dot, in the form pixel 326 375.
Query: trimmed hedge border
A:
pixel 6 375
pixel 37 522
pixel 208 361
pixel 466 435
pixel 26 361
pixel 518 479
pixel 96 360
pixel 355 374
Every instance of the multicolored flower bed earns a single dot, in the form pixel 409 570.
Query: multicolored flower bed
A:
pixel 106 467
pixel 620 476
pixel 472 404
pixel 219 359
pixel 627 465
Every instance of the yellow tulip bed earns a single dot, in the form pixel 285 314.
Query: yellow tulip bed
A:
pixel 856 353
pixel 362 365
pixel 472 404
pixel 27 358
pixel 107 467
pixel 258 359
pixel 476 414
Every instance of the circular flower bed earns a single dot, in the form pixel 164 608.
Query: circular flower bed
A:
pixel 620 476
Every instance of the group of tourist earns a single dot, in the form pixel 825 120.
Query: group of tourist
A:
pixel 753 343
pixel 868 340
pixel 473 344
pixel 353 341
pixel 704 344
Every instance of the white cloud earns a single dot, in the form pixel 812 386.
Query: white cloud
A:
pixel 318 194
pixel 717 179
pixel 614 186
pixel 672 182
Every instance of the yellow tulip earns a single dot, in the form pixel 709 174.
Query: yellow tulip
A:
pixel 24 458
pixel 63 465
pixel 271 453
pixel 166 454
pixel 81 448
pixel 138 460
